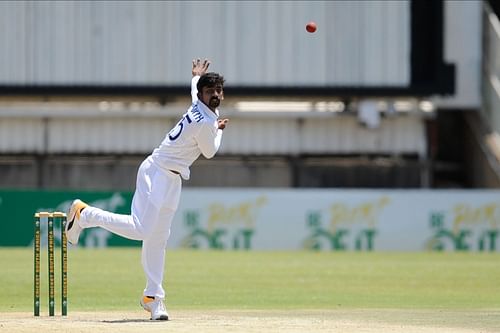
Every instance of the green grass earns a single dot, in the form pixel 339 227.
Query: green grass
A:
pixel 112 279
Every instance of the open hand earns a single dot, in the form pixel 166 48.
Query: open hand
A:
pixel 200 67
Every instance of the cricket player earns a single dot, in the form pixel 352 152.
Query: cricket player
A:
pixel 158 185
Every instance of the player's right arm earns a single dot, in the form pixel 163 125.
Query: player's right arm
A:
pixel 194 89
pixel 199 68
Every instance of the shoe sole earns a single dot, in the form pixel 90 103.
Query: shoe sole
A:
pixel 161 318
pixel 71 219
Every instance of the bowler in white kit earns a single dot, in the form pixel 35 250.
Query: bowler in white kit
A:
pixel 158 185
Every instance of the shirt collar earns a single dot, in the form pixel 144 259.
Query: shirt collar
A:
pixel 207 111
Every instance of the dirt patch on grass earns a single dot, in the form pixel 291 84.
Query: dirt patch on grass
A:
pixel 261 321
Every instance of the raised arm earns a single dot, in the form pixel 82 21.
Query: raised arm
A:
pixel 199 68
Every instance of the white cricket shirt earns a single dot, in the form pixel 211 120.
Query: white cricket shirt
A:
pixel 196 133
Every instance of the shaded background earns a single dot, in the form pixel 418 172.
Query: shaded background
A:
pixel 386 94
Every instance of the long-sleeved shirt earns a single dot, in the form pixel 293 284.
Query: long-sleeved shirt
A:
pixel 196 133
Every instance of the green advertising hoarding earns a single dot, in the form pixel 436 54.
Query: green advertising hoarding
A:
pixel 286 219
pixel 18 207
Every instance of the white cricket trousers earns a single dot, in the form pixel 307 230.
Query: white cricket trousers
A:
pixel 154 204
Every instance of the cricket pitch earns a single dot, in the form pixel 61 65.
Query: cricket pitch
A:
pixel 261 321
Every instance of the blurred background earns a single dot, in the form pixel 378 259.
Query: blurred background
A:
pixel 385 95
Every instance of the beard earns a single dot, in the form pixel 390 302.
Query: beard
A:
pixel 214 102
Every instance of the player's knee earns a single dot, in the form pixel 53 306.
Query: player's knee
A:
pixel 145 232
pixel 158 235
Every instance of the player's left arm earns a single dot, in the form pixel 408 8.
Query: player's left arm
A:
pixel 222 123
pixel 209 139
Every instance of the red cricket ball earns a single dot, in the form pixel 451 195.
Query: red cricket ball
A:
pixel 311 27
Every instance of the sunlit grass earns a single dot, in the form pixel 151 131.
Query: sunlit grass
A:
pixel 112 279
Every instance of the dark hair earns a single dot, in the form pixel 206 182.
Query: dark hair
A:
pixel 210 80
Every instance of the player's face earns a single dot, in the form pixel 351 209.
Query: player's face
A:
pixel 212 96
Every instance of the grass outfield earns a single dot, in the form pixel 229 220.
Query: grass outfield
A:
pixel 112 279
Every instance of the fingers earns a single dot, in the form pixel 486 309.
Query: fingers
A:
pixel 206 63
pixel 200 67
pixel 197 63
pixel 222 123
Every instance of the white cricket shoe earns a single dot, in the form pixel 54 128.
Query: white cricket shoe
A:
pixel 156 306
pixel 73 229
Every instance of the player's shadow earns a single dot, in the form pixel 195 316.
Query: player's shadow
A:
pixel 122 321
